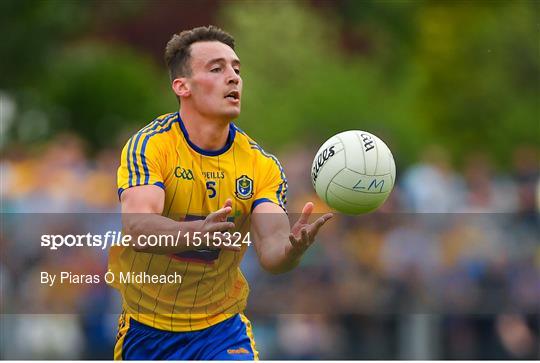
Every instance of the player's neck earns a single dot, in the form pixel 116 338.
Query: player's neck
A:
pixel 208 134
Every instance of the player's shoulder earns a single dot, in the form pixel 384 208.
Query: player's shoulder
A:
pixel 245 141
pixel 241 138
pixel 159 127
pixel 263 156
pixel 157 132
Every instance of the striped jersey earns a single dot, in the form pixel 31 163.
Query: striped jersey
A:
pixel 196 182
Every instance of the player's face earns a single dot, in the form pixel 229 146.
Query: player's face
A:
pixel 215 83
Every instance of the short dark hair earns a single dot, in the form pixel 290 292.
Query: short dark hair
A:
pixel 178 49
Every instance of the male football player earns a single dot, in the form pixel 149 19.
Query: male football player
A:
pixel 196 172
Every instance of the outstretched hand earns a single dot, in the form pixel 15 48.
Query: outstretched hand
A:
pixel 216 224
pixel 217 221
pixel 303 233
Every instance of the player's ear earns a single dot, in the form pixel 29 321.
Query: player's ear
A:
pixel 181 87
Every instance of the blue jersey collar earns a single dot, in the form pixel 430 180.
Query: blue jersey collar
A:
pixel 228 144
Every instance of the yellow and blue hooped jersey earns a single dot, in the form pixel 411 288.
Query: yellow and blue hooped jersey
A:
pixel 196 183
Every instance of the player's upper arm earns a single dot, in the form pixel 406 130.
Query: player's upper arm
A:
pixel 272 183
pixel 140 175
pixel 143 199
pixel 142 162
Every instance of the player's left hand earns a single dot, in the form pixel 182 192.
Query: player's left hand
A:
pixel 303 233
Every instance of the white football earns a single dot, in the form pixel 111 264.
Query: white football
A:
pixel 353 172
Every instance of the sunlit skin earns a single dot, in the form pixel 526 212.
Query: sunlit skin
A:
pixel 211 95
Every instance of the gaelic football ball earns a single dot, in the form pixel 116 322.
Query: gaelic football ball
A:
pixel 353 172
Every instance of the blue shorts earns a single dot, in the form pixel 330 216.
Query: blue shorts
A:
pixel 232 339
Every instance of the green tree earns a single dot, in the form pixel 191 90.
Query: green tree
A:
pixel 300 85
pixel 62 80
pixel 483 74
pixel 461 74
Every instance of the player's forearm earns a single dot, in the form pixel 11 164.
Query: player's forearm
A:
pixel 141 226
pixel 276 257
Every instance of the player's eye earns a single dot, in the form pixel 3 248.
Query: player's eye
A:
pixel 237 71
pixel 215 70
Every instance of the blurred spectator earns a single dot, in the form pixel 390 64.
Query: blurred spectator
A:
pixel 309 337
pixel 517 337
pixel 485 191
pixel 432 186
pixel 381 264
pixel 47 337
pixel 526 175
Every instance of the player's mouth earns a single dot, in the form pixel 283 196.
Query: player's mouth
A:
pixel 233 96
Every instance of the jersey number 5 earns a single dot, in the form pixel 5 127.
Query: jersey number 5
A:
pixel 210 186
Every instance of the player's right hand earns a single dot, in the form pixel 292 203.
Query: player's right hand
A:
pixel 216 223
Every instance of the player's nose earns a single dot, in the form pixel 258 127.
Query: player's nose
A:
pixel 233 77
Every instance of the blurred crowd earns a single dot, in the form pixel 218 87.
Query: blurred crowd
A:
pixel 448 268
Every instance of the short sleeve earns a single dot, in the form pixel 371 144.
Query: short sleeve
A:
pixel 273 184
pixel 140 163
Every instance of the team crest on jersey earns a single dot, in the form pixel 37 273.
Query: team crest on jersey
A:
pixel 244 187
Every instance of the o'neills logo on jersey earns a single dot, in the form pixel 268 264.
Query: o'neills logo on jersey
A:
pixel 213 174
pixel 244 187
pixel 321 159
